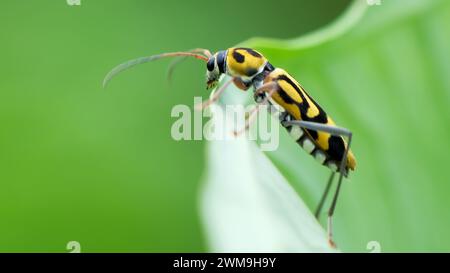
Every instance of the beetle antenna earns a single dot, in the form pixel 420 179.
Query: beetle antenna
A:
pixel 180 59
pixel 126 65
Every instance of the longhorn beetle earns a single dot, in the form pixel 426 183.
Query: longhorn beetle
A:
pixel 303 118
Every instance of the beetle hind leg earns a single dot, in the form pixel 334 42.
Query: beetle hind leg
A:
pixel 342 168
pixel 324 195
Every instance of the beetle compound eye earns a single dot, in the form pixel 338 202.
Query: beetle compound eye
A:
pixel 210 64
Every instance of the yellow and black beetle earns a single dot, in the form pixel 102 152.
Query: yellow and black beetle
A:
pixel 304 119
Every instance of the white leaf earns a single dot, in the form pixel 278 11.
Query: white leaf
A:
pixel 248 206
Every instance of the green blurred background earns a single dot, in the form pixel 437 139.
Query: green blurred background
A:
pixel 99 166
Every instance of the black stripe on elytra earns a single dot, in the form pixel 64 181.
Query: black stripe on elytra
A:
pixel 336 148
pixel 304 106
pixel 284 96
pixel 238 56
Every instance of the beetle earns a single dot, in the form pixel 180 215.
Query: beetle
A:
pixel 305 120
